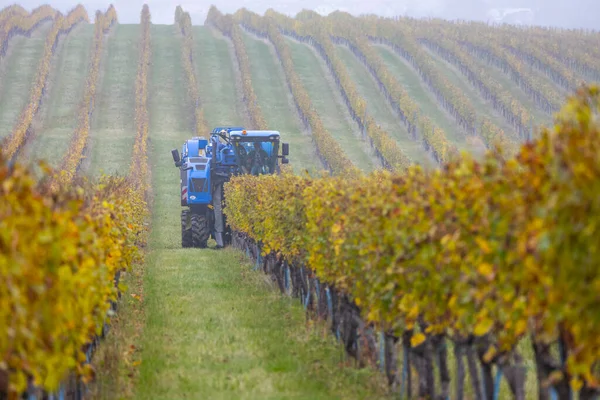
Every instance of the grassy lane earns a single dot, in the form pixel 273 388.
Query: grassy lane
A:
pixel 274 99
pixel 378 108
pixel 18 74
pixel 113 124
pixel 216 79
pixel 213 329
pixel 419 92
pixel 58 115
pixel 327 100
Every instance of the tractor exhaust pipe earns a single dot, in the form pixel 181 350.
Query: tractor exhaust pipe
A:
pixel 176 158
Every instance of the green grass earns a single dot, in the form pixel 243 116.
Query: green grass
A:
pixel 327 100
pixel 420 93
pixel 380 110
pixel 213 328
pixel 169 107
pixel 275 101
pixel 216 79
pixel 67 83
pixel 18 75
pixel 216 331
pixel 113 123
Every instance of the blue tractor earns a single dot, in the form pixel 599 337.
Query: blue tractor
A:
pixel 205 165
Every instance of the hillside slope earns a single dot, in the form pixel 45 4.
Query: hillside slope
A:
pixel 58 115
pixel 418 91
pixel 274 100
pixel 378 108
pixel 328 102
pixel 17 73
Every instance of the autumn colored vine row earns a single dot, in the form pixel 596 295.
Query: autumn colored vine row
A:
pixel 138 170
pixel 538 58
pixel 502 100
pixel 328 149
pixel 60 250
pixel 75 153
pixel 11 11
pixel 17 22
pixel 576 50
pixel 522 52
pixel 447 94
pixel 314 33
pixel 486 254
pixel 83 234
pixel 61 26
pixel 229 28
pixel 419 125
pixel 183 21
pixel 481 44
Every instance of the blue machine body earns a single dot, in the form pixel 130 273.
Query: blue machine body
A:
pixel 206 160
pixel 195 172
pixel 206 165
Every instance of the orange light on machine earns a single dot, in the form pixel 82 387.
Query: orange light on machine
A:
pixel 244 132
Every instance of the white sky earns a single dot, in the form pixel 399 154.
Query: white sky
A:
pixel 566 13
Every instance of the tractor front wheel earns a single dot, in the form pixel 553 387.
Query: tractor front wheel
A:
pixel 200 230
pixel 186 229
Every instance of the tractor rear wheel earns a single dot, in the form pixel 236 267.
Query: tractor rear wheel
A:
pixel 200 231
pixel 186 229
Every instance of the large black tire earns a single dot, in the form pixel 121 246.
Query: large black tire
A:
pixel 200 230
pixel 186 229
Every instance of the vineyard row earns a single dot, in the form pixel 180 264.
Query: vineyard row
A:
pixel 474 253
pixel 70 240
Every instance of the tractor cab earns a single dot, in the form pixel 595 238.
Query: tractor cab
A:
pixel 256 152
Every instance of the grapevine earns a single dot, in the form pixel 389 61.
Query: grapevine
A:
pixel 327 147
pixel 61 25
pixel 184 23
pixel 71 161
pixel 475 249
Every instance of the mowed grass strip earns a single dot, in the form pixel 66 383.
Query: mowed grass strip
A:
pixel 169 108
pixel 113 124
pixel 380 110
pixel 419 92
pixel 216 79
pixel 18 74
pixel 214 329
pixel 273 95
pixel 59 110
pixel 327 101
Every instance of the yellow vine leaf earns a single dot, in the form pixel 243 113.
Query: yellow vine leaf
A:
pixel 485 269
pixel 417 339
pixel 483 326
